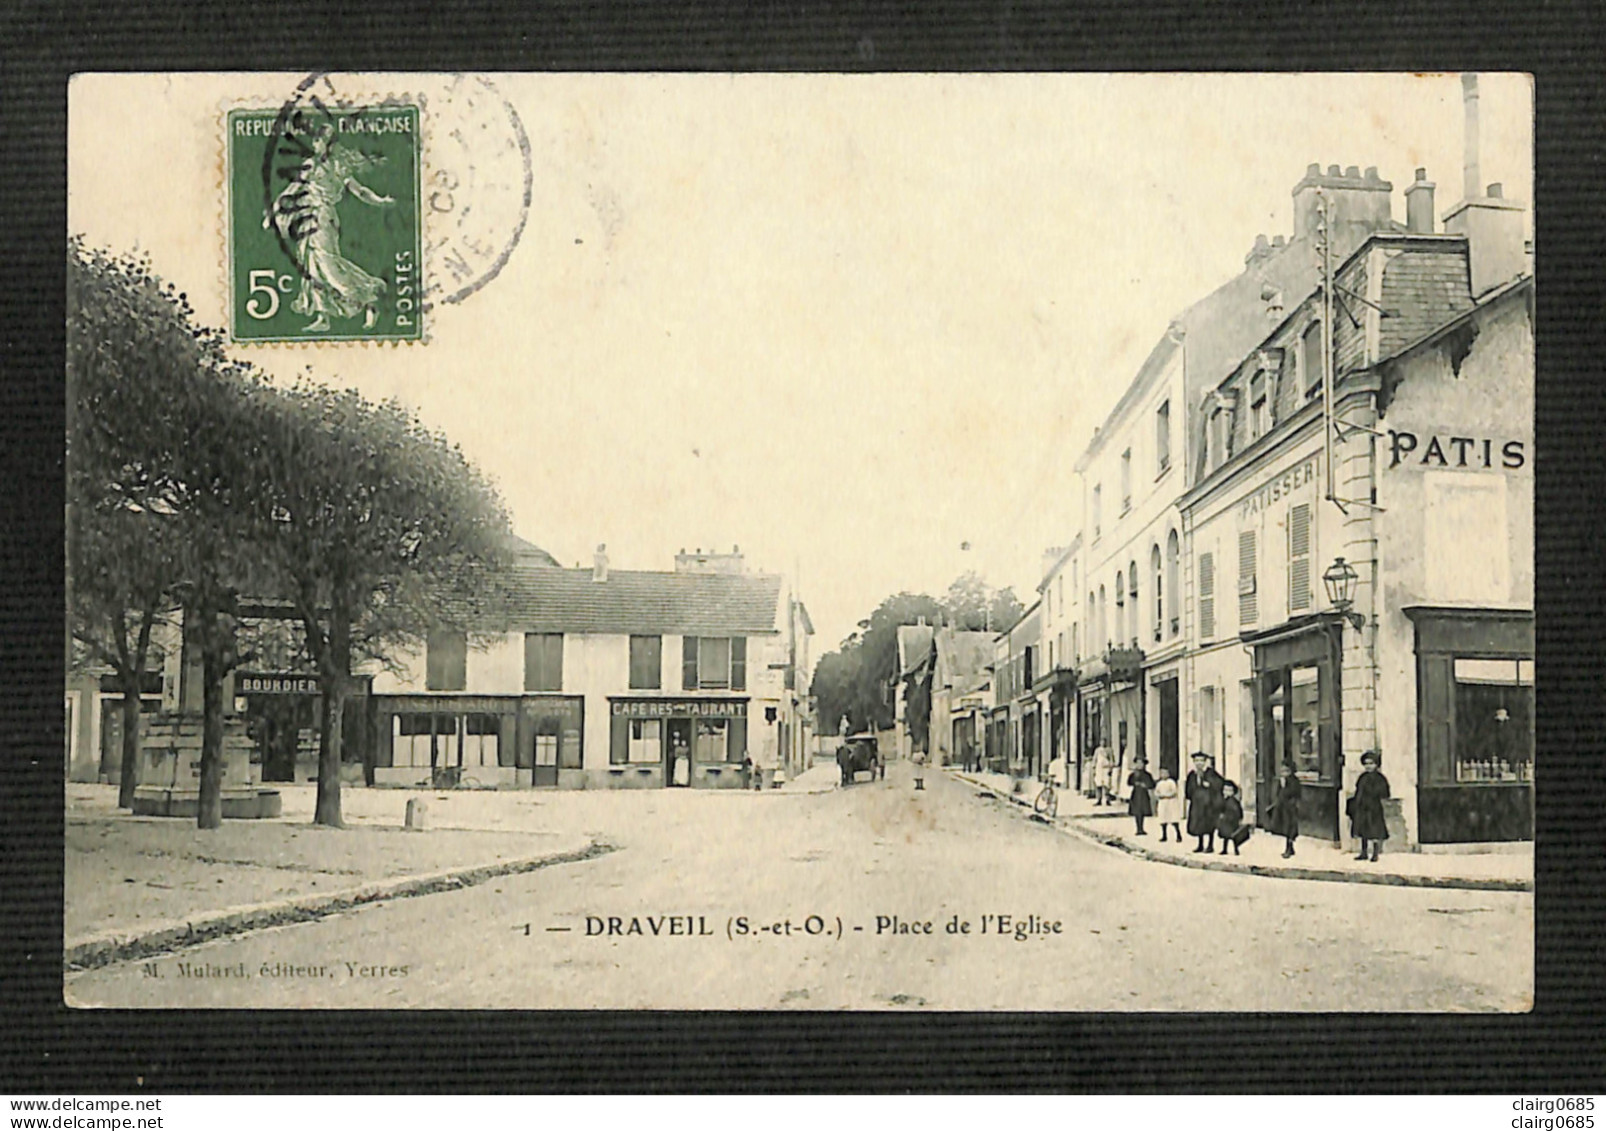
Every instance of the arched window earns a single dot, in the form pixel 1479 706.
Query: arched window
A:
pixel 1159 592
pixel 1171 581
pixel 1092 621
pixel 1103 624
pixel 1134 617
pixel 1120 608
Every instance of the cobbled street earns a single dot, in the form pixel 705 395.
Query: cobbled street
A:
pixel 1132 934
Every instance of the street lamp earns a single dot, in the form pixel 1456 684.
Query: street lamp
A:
pixel 1340 580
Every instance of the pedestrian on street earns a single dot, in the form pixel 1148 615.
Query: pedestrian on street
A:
pixel 1366 807
pixel 1168 804
pixel 1203 792
pixel 1104 774
pixel 1284 811
pixel 1230 818
pixel 1141 783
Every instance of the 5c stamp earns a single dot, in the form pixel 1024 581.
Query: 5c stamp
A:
pixel 324 225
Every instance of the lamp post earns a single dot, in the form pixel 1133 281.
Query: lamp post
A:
pixel 1340 580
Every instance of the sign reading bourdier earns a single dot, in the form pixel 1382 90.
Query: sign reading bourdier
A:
pixel 324 237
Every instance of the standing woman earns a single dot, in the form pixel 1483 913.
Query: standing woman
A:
pixel 1203 791
pixel 1104 774
pixel 1141 783
pixel 1284 811
pixel 1366 807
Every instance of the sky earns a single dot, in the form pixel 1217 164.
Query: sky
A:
pixel 851 324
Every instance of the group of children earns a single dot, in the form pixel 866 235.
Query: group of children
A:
pixel 1210 805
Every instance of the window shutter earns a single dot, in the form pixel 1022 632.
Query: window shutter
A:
pixel 1248 605
pixel 1207 596
pixel 1299 557
pixel 738 663
pixel 619 741
pixel 445 661
pixel 737 750
pixel 688 663
pixel 1435 706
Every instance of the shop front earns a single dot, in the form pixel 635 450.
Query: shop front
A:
pixel 676 743
pixel 1475 724
pixel 1298 714
pixel 283 713
pixel 1093 721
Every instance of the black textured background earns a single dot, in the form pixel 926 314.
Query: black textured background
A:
pixel 1557 1048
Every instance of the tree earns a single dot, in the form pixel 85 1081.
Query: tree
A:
pixel 160 449
pixel 861 678
pixel 974 606
pixel 379 531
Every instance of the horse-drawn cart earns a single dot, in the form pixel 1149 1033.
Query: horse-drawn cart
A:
pixel 858 754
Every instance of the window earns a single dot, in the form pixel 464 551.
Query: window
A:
pixel 1120 608
pixel 1126 480
pixel 1171 583
pixel 1310 358
pixel 1162 438
pixel 424 740
pixel 1100 623
pixel 714 662
pixel 446 661
pixel 1259 414
pixel 1156 569
pixel 1132 594
pixel 543 661
pixel 646 662
pixel 481 741
pixel 1248 602
pixel 645 741
pixel 1208 725
pixel 713 740
pixel 1207 596
pixel 1098 507
pixel 1494 711
pixel 1299 557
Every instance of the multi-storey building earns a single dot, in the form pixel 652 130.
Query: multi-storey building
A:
pixel 1062 642
pixel 1371 588
pixel 604 679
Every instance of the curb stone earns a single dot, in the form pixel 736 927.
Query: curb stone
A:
pixel 1077 827
pixel 118 946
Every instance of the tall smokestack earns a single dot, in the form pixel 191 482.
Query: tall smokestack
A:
pixel 1470 181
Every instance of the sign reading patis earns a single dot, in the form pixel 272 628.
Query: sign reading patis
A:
pixel 1282 486
pixel 1471 452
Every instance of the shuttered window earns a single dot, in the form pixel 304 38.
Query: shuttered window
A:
pixel 446 661
pixel 543 661
pixel 738 663
pixel 646 662
pixel 1207 596
pixel 688 663
pixel 1248 602
pixel 1299 557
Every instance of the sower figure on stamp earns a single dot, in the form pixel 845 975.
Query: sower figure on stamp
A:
pixel 306 215
pixel 1202 790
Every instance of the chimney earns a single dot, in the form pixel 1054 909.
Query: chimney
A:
pixel 1493 226
pixel 1419 204
pixel 599 564
pixel 1357 205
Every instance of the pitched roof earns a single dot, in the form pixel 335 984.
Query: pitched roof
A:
pixel 914 646
pixel 528 551
pixel 963 658
pixel 546 599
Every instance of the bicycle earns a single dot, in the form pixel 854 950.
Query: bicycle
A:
pixel 1047 803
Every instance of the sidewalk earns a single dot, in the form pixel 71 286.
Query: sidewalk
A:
pixel 1262 854
pixel 134 885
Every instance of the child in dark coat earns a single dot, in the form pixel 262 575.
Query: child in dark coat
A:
pixel 1141 783
pixel 1284 810
pixel 1366 807
pixel 1229 817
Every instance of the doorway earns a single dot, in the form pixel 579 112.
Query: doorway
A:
pixel 1170 746
pixel 677 754
pixel 545 763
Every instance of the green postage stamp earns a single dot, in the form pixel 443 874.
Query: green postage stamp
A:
pixel 324 240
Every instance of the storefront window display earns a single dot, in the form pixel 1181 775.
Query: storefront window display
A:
pixel 1494 709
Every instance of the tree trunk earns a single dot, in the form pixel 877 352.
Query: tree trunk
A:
pixel 130 774
pixel 336 677
pixel 209 811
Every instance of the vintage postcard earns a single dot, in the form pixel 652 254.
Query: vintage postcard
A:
pixel 882 542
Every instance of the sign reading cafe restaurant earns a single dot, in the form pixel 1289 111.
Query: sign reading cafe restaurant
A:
pixel 667 708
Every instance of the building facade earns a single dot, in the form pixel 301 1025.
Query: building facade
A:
pixel 605 679
pixel 1374 591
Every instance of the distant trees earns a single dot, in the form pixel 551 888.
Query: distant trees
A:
pixel 192 483
pixel 860 680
